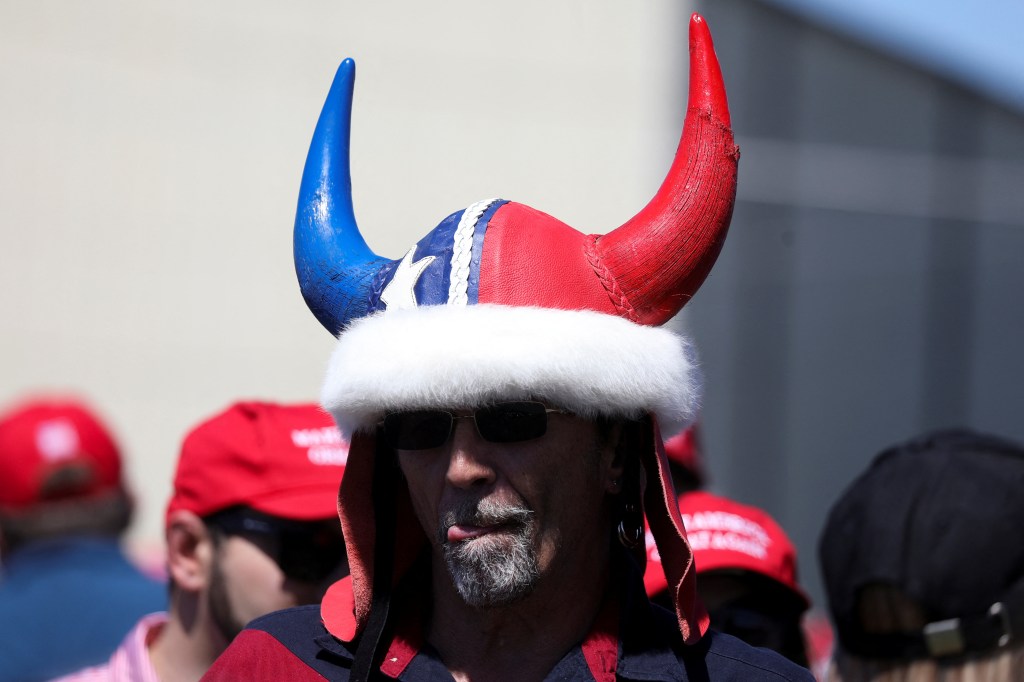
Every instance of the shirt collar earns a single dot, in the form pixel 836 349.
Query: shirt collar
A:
pixel 646 649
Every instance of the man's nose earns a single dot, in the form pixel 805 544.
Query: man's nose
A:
pixel 469 463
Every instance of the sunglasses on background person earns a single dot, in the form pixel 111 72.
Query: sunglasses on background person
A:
pixel 506 422
pixel 305 551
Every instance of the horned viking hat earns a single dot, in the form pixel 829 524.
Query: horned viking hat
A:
pixel 500 302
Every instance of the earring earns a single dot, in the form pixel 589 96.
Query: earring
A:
pixel 631 528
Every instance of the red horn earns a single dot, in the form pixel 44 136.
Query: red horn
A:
pixel 660 257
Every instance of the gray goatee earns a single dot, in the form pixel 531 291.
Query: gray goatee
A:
pixel 497 569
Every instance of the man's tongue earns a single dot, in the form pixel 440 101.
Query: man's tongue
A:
pixel 460 532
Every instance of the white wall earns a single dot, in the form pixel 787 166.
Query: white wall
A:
pixel 150 156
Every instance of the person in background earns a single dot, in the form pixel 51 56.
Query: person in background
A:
pixel 251 527
pixel 68 593
pixel 686 459
pixel 923 562
pixel 746 573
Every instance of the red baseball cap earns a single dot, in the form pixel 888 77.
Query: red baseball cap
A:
pixel 283 460
pixel 53 449
pixel 727 535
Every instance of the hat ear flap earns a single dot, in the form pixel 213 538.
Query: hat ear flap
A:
pixel 372 478
pixel 662 511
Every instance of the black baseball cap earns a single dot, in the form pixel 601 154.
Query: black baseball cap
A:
pixel 940 519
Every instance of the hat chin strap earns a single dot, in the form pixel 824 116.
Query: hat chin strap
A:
pixel 369 649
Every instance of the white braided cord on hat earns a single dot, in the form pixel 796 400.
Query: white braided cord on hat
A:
pixel 462 252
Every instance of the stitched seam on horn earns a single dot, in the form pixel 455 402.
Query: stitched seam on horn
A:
pixel 462 252
pixel 608 281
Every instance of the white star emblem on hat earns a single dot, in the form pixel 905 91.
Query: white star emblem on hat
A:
pixel 400 293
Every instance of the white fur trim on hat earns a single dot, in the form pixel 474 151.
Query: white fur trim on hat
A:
pixel 582 361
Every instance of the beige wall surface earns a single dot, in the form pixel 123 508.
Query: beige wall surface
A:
pixel 150 156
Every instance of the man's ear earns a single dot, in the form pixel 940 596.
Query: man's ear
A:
pixel 616 442
pixel 190 551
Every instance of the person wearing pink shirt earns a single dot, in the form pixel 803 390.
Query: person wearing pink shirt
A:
pixel 251 528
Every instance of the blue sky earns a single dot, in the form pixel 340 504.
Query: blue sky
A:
pixel 978 43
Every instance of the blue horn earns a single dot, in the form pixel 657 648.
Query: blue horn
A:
pixel 334 265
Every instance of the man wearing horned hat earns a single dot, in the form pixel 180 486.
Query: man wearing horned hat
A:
pixel 505 385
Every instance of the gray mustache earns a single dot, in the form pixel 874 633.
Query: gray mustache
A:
pixel 483 513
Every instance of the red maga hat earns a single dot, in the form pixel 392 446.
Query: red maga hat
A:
pixel 53 449
pixel 728 536
pixel 283 460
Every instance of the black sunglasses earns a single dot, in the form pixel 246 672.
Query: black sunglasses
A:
pixel 306 551
pixel 508 422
